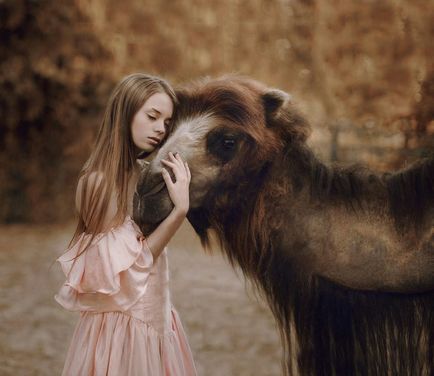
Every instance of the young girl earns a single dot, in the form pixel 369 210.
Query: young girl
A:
pixel 116 277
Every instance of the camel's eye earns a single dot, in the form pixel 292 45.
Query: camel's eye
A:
pixel 229 143
pixel 222 144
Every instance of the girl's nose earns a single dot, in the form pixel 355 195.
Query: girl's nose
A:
pixel 160 127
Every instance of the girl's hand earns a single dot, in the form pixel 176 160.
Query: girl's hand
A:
pixel 178 190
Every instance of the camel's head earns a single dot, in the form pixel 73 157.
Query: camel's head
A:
pixel 227 130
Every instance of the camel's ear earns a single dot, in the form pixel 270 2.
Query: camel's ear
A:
pixel 274 99
pixel 281 114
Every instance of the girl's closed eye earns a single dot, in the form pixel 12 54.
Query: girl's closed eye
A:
pixel 151 117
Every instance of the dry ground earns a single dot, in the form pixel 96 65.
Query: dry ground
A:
pixel 231 332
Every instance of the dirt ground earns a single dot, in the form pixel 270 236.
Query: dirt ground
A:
pixel 231 331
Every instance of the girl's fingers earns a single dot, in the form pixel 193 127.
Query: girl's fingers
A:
pixel 176 161
pixel 187 169
pixel 177 158
pixel 183 164
pixel 175 168
pixel 167 163
pixel 173 158
pixel 166 177
pixel 178 167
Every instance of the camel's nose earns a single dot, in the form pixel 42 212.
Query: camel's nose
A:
pixel 150 183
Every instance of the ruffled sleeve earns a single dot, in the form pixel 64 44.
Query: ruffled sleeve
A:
pixel 111 275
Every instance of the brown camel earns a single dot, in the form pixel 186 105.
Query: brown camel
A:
pixel 344 256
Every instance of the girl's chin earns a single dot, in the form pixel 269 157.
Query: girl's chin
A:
pixel 145 147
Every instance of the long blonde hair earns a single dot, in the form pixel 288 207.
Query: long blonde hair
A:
pixel 114 157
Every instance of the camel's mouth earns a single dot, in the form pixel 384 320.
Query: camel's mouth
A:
pixel 151 203
pixel 153 191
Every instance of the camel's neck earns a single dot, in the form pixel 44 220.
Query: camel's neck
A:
pixel 336 223
pixel 405 197
pixel 353 188
pixel 355 227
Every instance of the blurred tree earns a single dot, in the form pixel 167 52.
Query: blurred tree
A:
pixel 424 108
pixel 362 72
pixel 54 79
pixel 369 62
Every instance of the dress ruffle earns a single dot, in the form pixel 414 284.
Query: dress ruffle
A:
pixel 110 275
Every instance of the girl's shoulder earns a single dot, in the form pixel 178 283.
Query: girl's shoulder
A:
pixel 87 184
pixel 91 195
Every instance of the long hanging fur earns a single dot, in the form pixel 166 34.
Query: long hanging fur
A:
pixel 338 331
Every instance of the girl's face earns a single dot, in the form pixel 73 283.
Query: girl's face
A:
pixel 151 121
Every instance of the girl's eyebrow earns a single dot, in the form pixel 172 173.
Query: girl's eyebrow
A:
pixel 159 113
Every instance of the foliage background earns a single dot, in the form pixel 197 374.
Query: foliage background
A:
pixel 362 72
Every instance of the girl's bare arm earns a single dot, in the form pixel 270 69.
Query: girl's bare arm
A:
pixel 179 194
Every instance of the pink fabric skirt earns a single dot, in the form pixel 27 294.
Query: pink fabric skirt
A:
pixel 116 344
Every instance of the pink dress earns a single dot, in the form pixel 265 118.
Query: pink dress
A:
pixel 127 324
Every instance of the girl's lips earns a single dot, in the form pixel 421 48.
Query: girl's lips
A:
pixel 153 140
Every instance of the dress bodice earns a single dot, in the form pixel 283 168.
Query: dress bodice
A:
pixel 118 273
